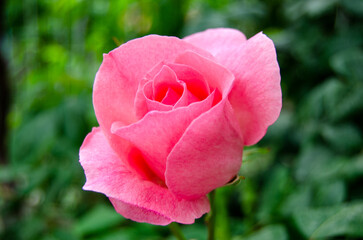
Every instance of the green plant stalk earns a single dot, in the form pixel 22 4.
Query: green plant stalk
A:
pixel 222 229
pixel 211 220
pixel 175 229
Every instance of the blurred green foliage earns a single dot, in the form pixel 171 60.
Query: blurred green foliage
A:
pixel 303 182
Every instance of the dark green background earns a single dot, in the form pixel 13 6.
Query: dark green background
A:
pixel 303 181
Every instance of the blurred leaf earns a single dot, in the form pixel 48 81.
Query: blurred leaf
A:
pixel 283 130
pixel 34 138
pixel 271 232
pixel 114 235
pixel 54 53
pixel 312 8
pixel 39 175
pixel 194 231
pixel 322 100
pixel 353 168
pixel 330 193
pixel 7 174
pixel 316 163
pixel 318 7
pixel 61 234
pixel 354 6
pixel 281 38
pixel 349 63
pixel 274 192
pixel 340 220
pixel 100 218
pixel 349 105
pixel 299 199
pixel 200 22
pixel 337 136
pixel 31 227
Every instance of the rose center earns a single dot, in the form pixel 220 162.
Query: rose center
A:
pixel 171 97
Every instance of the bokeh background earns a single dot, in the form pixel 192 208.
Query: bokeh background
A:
pixel 305 179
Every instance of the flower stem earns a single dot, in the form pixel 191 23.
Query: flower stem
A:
pixel 175 229
pixel 212 216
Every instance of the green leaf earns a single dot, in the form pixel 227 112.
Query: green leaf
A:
pixel 194 231
pixel 348 105
pixel 339 135
pixel 316 163
pixel 354 6
pixel 61 234
pixel 300 198
pixel 274 192
pixel 342 220
pixel 271 232
pixel 114 235
pixel 318 7
pixel 349 63
pixel 322 100
pixel 34 138
pixel 330 193
pixel 353 168
pixel 101 217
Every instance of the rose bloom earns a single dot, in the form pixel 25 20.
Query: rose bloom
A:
pixel 174 115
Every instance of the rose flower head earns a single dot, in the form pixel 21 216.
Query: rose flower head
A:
pixel 174 115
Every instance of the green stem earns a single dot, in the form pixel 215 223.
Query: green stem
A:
pixel 212 216
pixel 175 229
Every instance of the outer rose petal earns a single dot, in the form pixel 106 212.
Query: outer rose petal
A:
pixel 113 93
pixel 207 156
pixel 256 96
pixel 157 133
pixel 139 214
pixel 217 40
pixel 135 198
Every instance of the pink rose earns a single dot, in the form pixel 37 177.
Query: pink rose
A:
pixel 174 116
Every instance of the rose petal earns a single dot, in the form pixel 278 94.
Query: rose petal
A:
pixel 162 93
pixel 112 94
pixel 207 156
pixel 256 95
pixel 217 76
pixel 152 104
pixel 156 134
pixel 167 79
pixel 217 40
pixel 195 81
pixel 164 80
pixel 163 83
pixel 171 97
pixel 139 214
pixel 191 97
pixel 132 196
